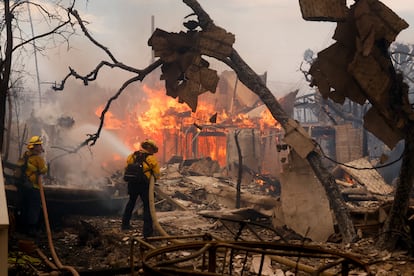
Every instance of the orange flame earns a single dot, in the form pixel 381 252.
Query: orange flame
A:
pixel 260 182
pixel 267 120
pixel 110 121
pixel 348 179
pixel 176 128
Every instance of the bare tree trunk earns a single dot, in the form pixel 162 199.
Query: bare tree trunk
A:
pixel 5 67
pixel 240 170
pixel 249 78
pixel 9 126
pixel 336 201
pixel 395 230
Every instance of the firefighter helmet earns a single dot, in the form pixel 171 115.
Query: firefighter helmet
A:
pixel 151 143
pixel 35 140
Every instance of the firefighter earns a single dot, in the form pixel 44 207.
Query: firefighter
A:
pixel 31 201
pixel 150 167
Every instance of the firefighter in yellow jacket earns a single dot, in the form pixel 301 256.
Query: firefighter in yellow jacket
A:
pixel 31 201
pixel 141 187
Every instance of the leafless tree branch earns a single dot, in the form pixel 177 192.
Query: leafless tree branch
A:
pixel 41 35
pixel 141 74
pixel 87 34
pixel 53 31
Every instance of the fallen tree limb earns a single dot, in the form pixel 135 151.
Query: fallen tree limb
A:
pixel 253 81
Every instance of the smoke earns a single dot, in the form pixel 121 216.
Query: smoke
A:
pixel 90 166
pixel 65 119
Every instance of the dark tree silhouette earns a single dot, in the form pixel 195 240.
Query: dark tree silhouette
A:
pixel 16 43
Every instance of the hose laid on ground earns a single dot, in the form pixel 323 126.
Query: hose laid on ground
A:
pixel 49 232
pixel 46 259
pixel 155 222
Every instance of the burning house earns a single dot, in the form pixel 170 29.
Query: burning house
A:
pixel 182 134
pixel 206 133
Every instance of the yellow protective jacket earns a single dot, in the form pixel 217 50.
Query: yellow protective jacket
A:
pixel 149 166
pixel 36 165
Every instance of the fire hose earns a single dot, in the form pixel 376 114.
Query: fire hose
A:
pixel 49 232
pixel 155 222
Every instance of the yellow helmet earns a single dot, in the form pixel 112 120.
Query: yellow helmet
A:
pixel 151 143
pixel 35 140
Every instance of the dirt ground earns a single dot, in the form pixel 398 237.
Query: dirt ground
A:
pixel 97 246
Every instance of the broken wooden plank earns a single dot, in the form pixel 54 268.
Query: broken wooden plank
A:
pixel 331 71
pixel 323 10
pixel 298 138
pixel 368 178
pixel 163 195
pixel 375 123
pixel 375 21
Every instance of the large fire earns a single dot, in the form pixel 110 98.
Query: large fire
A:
pixel 176 129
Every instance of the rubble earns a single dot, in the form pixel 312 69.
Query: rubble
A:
pixel 361 174
pixel 196 205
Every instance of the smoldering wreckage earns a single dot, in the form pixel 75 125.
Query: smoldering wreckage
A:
pixel 233 199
